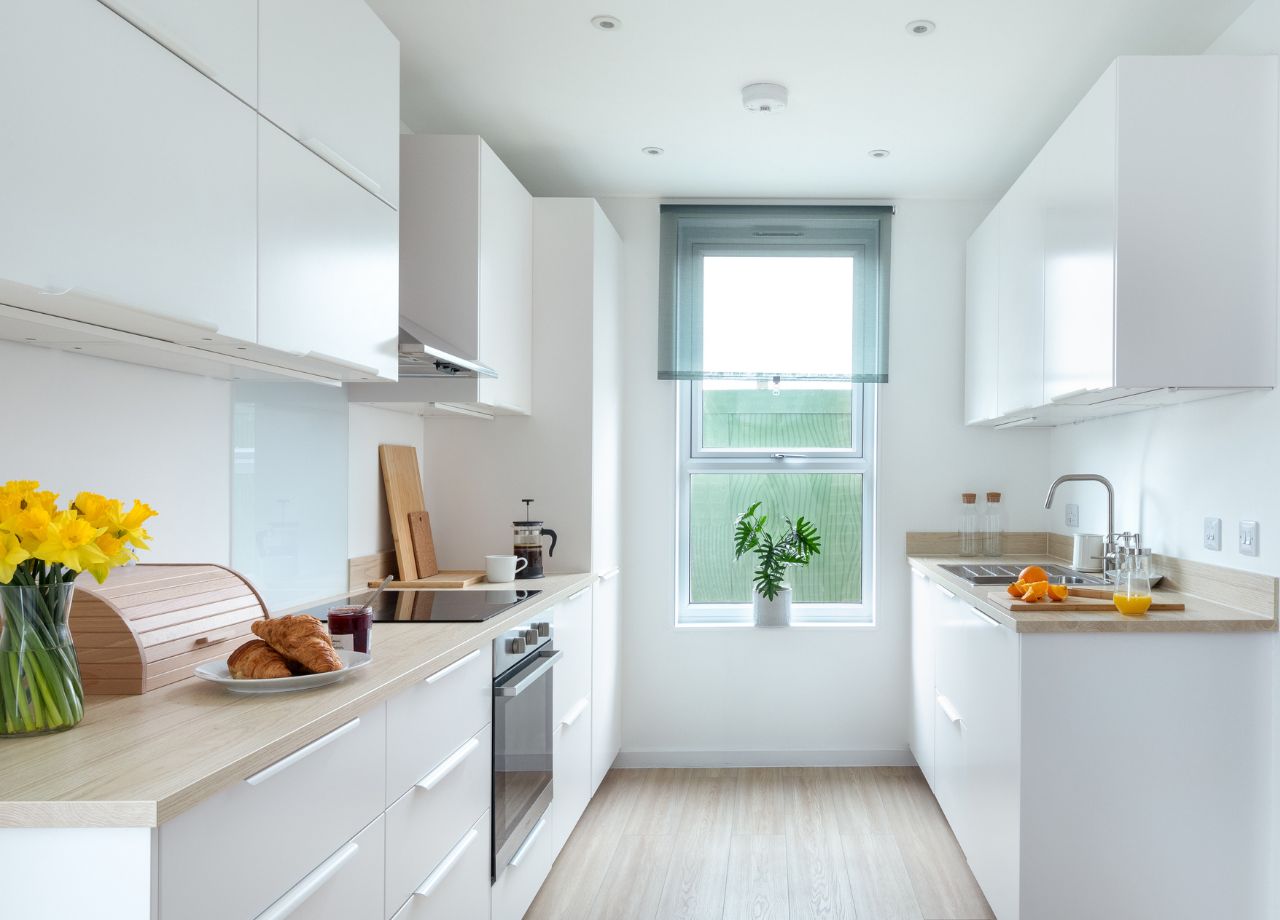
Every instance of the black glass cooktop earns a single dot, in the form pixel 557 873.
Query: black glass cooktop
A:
pixel 431 606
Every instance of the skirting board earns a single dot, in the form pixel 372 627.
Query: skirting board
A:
pixel 632 760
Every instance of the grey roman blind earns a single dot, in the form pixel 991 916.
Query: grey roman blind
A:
pixel 774 292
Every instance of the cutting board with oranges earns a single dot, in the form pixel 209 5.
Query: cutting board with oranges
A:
pixel 1032 592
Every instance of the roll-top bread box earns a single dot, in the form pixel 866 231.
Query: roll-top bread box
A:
pixel 151 625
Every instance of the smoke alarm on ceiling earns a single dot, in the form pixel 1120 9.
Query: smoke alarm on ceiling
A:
pixel 764 97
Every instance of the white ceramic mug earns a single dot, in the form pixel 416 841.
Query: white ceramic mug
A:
pixel 503 569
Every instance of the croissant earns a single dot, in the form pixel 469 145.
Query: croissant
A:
pixel 256 659
pixel 302 638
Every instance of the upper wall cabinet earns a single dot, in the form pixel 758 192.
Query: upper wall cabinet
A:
pixel 127 179
pixel 1136 257
pixel 329 74
pixel 218 39
pixel 466 274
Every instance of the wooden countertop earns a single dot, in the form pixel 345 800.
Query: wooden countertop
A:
pixel 137 761
pixel 1202 615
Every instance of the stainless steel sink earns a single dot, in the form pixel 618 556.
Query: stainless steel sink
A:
pixel 1003 574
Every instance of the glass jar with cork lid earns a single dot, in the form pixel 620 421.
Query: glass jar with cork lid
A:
pixel 993 526
pixel 970 545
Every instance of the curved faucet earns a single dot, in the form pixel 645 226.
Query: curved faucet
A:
pixel 1109 553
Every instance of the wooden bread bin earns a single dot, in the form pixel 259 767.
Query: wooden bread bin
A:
pixel 150 625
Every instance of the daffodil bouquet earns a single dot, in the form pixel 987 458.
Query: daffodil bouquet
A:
pixel 42 549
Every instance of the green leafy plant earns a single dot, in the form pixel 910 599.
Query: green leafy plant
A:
pixel 797 545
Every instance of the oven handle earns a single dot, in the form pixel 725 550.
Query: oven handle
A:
pixel 548 662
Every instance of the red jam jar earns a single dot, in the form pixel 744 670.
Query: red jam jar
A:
pixel 349 627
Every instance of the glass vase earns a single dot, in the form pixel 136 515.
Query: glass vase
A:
pixel 40 687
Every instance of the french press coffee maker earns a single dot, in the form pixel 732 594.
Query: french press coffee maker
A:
pixel 528 546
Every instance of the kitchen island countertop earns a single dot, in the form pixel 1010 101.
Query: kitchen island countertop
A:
pixel 137 761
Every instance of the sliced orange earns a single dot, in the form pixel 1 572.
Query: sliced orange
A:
pixel 1017 589
pixel 1032 574
pixel 1037 590
pixel 1058 592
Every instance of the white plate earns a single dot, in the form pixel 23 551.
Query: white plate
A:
pixel 217 672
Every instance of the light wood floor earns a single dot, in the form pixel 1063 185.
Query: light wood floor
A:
pixel 766 844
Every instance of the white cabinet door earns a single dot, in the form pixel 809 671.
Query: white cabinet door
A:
pixel 218 39
pixel 329 74
pixel 1020 358
pixel 458 888
pixel 518 883
pixel 982 320
pixel 505 315
pixel 923 704
pixel 129 191
pixel 606 680
pixel 572 770
pixel 572 682
pixel 328 263
pixel 348 884
pixel 950 676
pixel 1079 201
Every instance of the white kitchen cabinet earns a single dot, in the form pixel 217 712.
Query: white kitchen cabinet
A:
pixel 573 625
pixel 515 889
pixel 345 885
pixel 328 259
pixel 329 75
pixel 572 769
pixel 606 677
pixel 466 234
pixel 1149 295
pixel 457 888
pixel 923 704
pixel 982 320
pixel 218 39
pixel 129 182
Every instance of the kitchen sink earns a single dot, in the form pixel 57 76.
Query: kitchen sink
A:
pixel 1003 574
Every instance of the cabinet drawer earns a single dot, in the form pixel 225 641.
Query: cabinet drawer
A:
pixel 519 882
pixel 267 832
pixel 435 814
pixel 573 637
pixel 572 758
pixel 458 887
pixel 344 885
pixel 431 720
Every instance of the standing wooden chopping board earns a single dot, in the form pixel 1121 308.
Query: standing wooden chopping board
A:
pixel 403 481
pixel 424 545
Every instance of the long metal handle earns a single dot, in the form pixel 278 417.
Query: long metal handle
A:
pixel 949 710
pixel 447 766
pixel 163 37
pixel 440 872
pixel 518 856
pixel 576 712
pixel 950 594
pixel 548 662
pixel 286 762
pixel 577 594
pixel 297 896
pixel 446 671
pixel 341 163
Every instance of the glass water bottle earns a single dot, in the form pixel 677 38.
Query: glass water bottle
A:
pixel 970 545
pixel 993 527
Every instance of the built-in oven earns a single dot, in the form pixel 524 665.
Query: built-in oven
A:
pixel 524 660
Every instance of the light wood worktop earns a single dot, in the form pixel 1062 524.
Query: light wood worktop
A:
pixel 137 761
pixel 1201 615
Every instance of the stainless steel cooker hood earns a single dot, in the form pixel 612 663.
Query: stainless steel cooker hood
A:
pixel 423 354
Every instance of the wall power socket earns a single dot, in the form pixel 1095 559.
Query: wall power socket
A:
pixel 1213 533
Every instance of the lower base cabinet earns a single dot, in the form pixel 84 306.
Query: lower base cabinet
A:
pixel 458 887
pixel 572 747
pixel 344 885
pixel 524 874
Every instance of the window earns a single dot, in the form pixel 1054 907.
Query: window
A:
pixel 774 322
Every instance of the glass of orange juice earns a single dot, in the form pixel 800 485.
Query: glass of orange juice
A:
pixel 1132 596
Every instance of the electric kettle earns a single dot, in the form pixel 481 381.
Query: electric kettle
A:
pixel 528 542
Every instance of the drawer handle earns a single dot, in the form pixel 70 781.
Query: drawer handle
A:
pixel 944 590
pixel 164 38
pixel 949 710
pixel 285 763
pixel 440 872
pixel 577 594
pixel 576 712
pixel 612 573
pixel 986 616
pixel 341 164
pixel 520 854
pixel 460 663
pixel 447 766
pixel 295 898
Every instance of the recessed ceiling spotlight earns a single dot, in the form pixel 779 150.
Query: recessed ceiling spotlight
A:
pixel 764 97
pixel 652 151
pixel 878 154
pixel 921 26
pixel 607 23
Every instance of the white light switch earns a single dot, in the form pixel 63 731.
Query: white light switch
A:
pixel 1248 538
pixel 1073 515
pixel 1213 533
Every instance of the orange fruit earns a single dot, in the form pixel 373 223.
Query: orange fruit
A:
pixel 1017 589
pixel 1058 592
pixel 1037 590
pixel 1032 573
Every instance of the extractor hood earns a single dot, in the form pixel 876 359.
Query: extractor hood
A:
pixel 423 354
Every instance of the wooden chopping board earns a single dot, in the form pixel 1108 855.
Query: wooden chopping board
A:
pixel 447 579
pixel 403 481
pixel 424 545
pixel 1080 600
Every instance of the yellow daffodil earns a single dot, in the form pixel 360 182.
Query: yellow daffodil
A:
pixel 12 555
pixel 31 526
pixel 98 510
pixel 69 541
pixel 129 527
pixel 116 553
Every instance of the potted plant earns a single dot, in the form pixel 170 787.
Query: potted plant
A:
pixel 796 545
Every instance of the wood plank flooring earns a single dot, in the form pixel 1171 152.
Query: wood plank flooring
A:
pixel 822 843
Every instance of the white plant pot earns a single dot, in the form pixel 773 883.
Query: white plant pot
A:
pixel 771 614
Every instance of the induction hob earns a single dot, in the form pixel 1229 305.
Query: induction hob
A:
pixel 427 606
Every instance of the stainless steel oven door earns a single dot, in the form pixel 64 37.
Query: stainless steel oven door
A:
pixel 521 753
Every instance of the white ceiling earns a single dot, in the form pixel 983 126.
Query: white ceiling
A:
pixel 568 107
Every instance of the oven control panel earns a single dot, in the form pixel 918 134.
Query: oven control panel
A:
pixel 522 640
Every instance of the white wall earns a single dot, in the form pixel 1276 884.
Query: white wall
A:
pixel 805 695
pixel 368 528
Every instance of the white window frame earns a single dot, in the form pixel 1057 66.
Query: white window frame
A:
pixel 693 458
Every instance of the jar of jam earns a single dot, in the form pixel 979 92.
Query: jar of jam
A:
pixel 349 627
